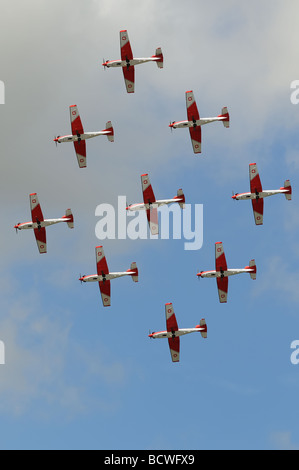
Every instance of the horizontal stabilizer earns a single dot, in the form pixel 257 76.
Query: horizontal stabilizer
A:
pixel 159 55
pixel 287 185
pixel 203 324
pixel 252 265
pixel 109 128
pixel 225 114
pixel 69 215
pixel 134 269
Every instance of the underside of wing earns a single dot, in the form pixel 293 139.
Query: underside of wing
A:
pixel 41 240
pixel 220 260
pixel 195 134
pixel 76 123
pixel 255 182
pixel 174 346
pixel 171 323
pixel 125 46
pixel 102 267
pixel 258 210
pixel 147 190
pixel 105 289
pixel 129 76
pixel 152 217
pixel 36 212
pixel 192 111
pixel 222 284
pixel 80 149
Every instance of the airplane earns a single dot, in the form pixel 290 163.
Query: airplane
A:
pixel 257 194
pixel 194 121
pixel 222 272
pixel 173 332
pixel 79 136
pixel 103 276
pixel 151 204
pixel 127 61
pixel 39 224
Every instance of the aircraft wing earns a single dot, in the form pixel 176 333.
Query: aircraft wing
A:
pixel 149 198
pixel 76 123
pixel 256 187
pixel 37 216
pixel 195 134
pixel 127 55
pixel 222 285
pixel 258 210
pixel 221 265
pixel 255 182
pixel 192 111
pixel 172 327
pixel 102 269
pixel 80 149
pixel 193 115
pixel 105 289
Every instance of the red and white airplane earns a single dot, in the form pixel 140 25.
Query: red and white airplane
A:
pixel 221 274
pixel 194 121
pixel 39 224
pixel 173 332
pixel 257 194
pixel 151 204
pixel 127 61
pixel 103 276
pixel 79 136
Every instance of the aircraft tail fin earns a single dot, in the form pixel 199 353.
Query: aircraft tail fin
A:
pixel 109 128
pixel 203 325
pixel 159 57
pixel 134 270
pixel 225 114
pixel 253 266
pixel 69 215
pixel 287 185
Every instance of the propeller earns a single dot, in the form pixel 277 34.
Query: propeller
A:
pixel 80 278
pixel 16 227
pixel 104 64
pixel 151 333
pixel 171 125
pixel 56 141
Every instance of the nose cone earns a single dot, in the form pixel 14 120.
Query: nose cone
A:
pixel 199 274
pixel 234 196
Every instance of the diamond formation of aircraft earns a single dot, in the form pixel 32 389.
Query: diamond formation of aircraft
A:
pixel 257 194
pixel 194 121
pixel 39 224
pixel 78 136
pixel 173 332
pixel 222 273
pixel 151 204
pixel 128 62
pixel 103 276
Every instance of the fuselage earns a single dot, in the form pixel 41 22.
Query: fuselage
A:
pixel 195 123
pixel 105 277
pixel 79 137
pixel 128 63
pixel 155 204
pixel 259 195
pixel 179 332
pixel 226 273
pixel 43 223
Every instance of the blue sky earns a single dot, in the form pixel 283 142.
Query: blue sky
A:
pixel 78 376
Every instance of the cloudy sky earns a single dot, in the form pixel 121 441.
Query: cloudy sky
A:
pixel 81 376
